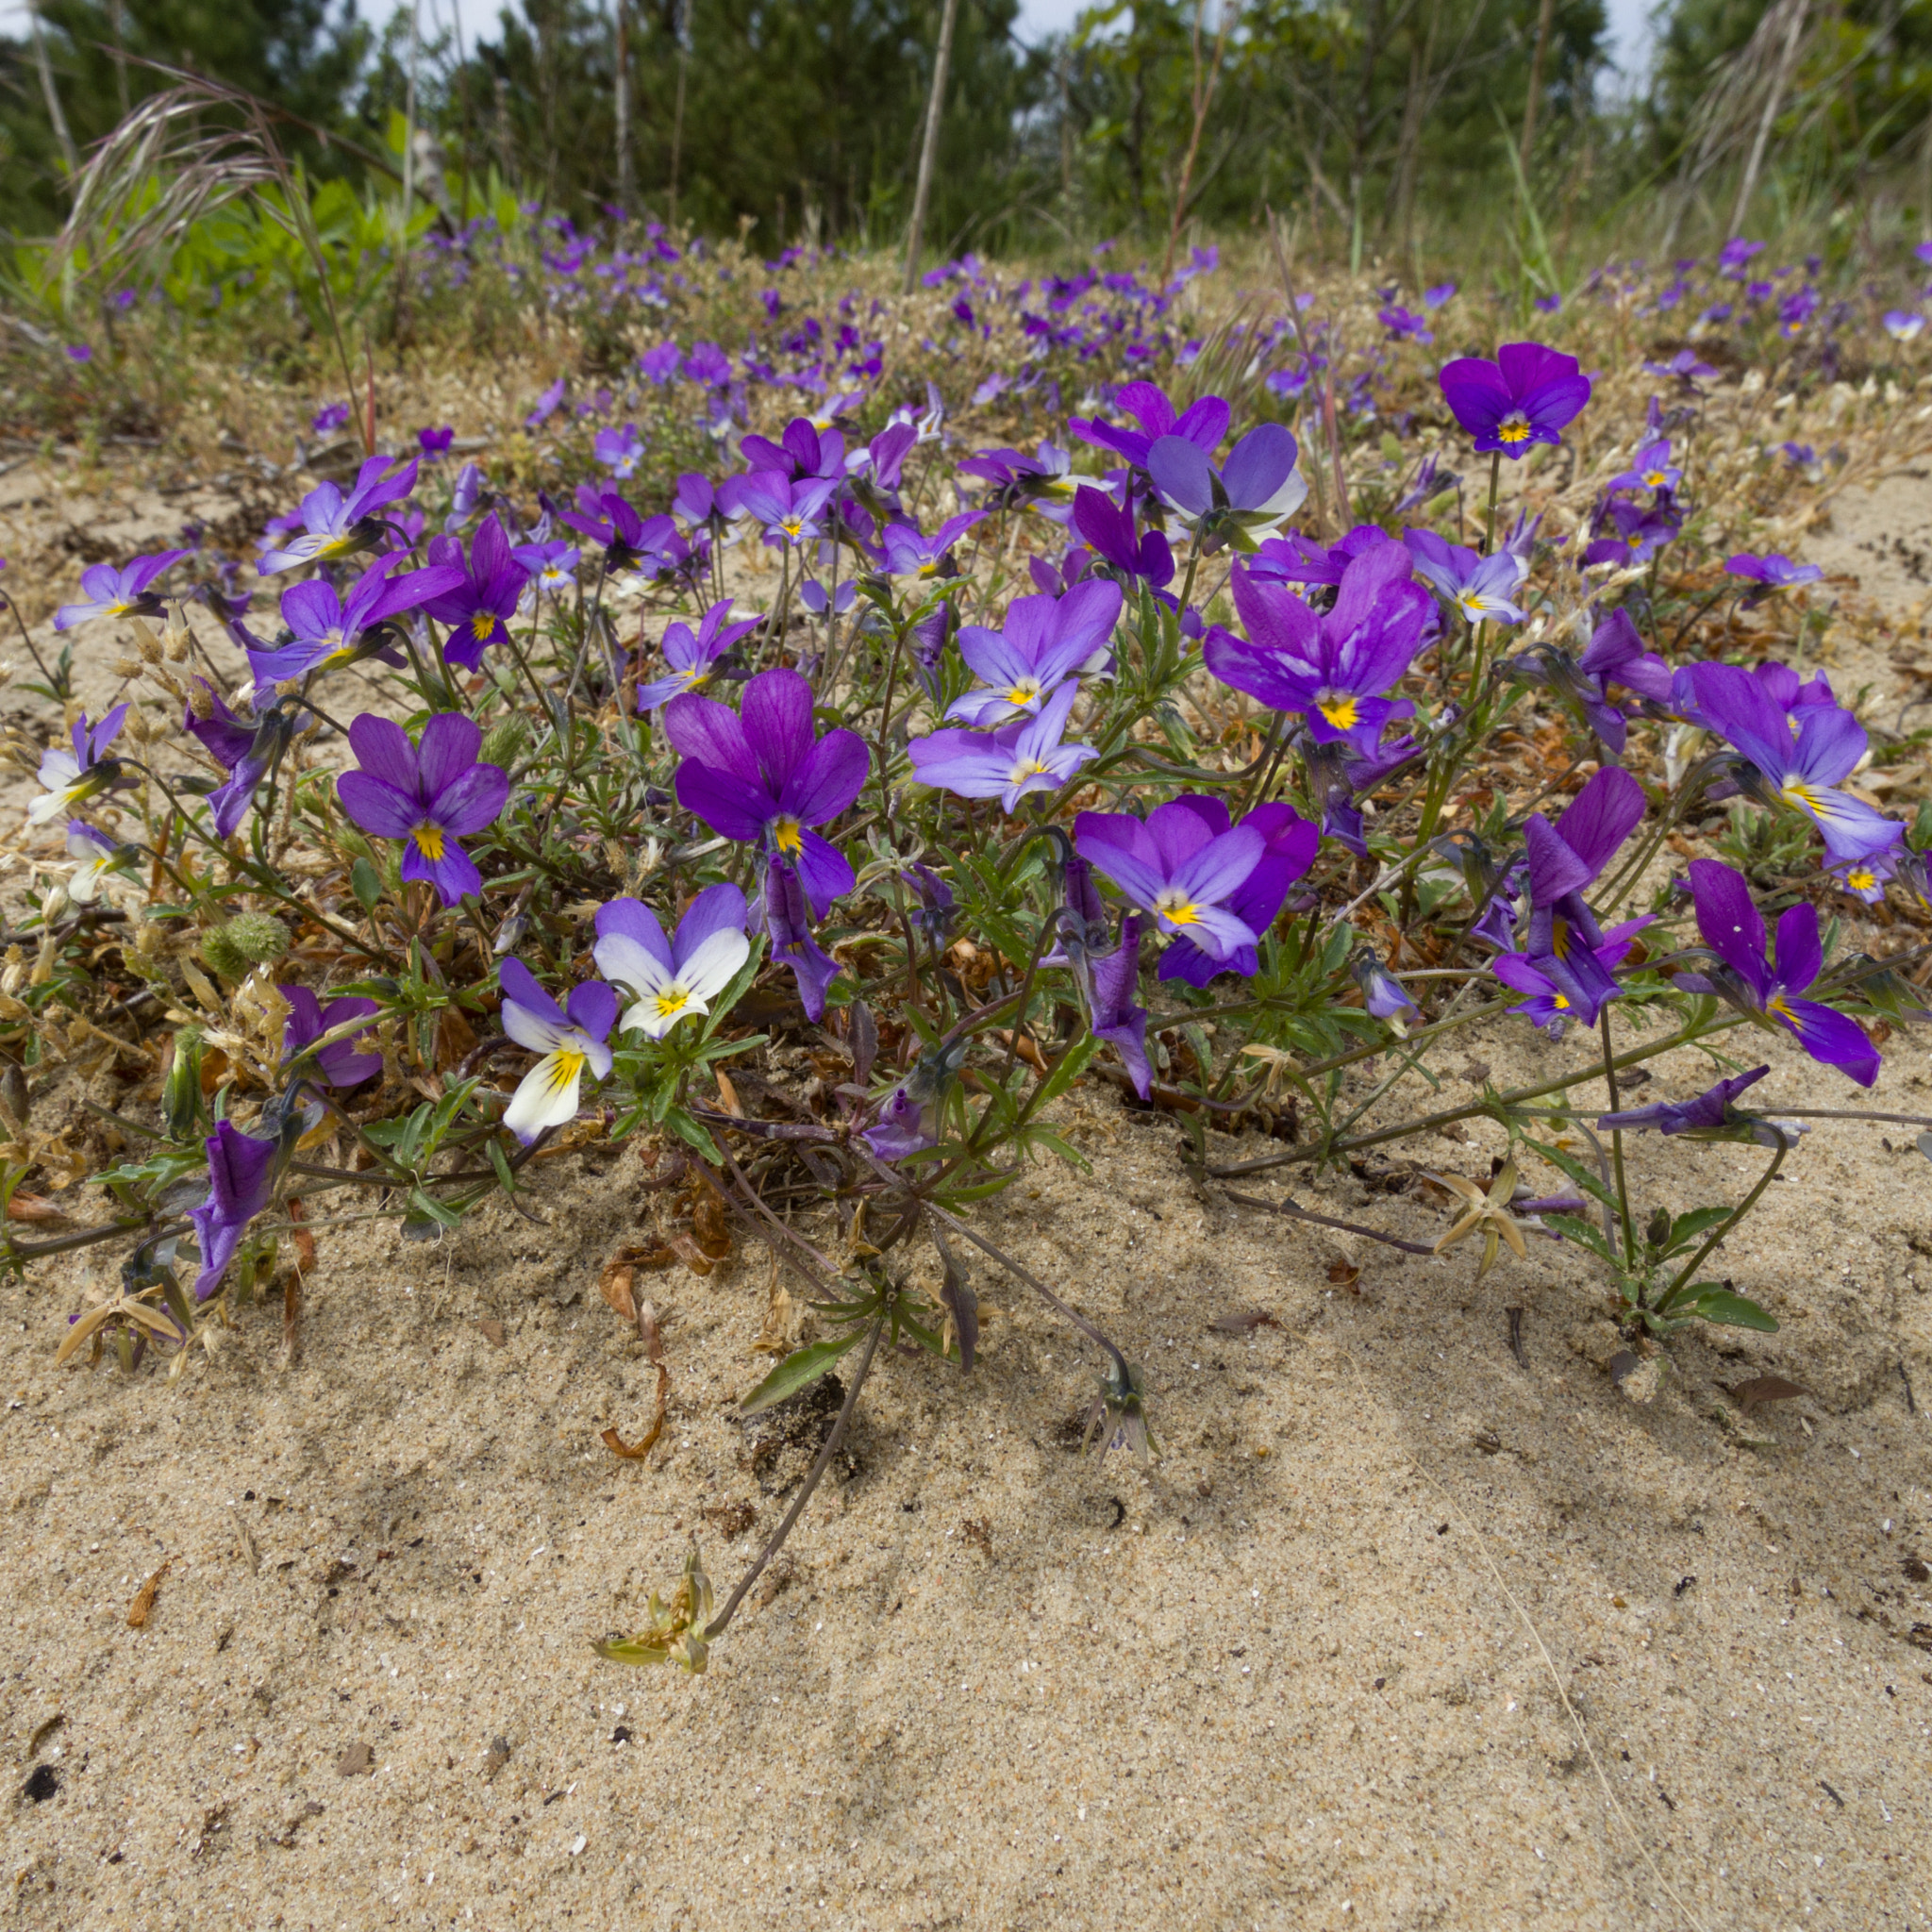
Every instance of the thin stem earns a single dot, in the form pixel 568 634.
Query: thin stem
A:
pixel 1617 1139
pixel 1742 1208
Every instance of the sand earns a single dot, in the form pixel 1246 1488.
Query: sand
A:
pixel 1401 1631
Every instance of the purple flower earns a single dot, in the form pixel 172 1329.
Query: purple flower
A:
pixel 1174 866
pixel 546 406
pixel 94 855
pixel 1564 939
pixel 72 777
pixel 340 1063
pixel 1256 491
pixel 1434 298
pixel 1526 396
pixel 1045 642
pixel 660 365
pixel 1481 588
pixel 1109 530
pixel 1289 843
pixel 690 657
pixel 1640 533
pixel 428 798
pixel 1548 1005
pixel 478 599
pixel 1650 469
pixel 1686 367
pixel 620 450
pixel 552 565
pixel 329 418
pixel 763 778
pixel 1298 560
pixel 569 1040
pixel 1615 656
pixel 1203 423
pixel 1382 996
pixel 909 1121
pixel 1774 572
pixel 789 513
pixel 1711 1115
pixel 435 442
pixel 1864 878
pixel 707 364
pixel 822 603
pixel 1769 984
pixel 670 978
pixel 1903 324
pixel 334 525
pixel 788 925
pixel 109 592
pixel 240 1178
pixel 628 539
pixel 465 495
pixel 328 630
pixel 806 452
pixel 243 751
pixel 1403 325
pixel 1006 764
pixel 909 553
pixel 1792 759
pixel 1332 668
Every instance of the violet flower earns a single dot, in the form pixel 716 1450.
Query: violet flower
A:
pixel 1006 764
pixel 909 1121
pixel 1251 495
pixel 763 778
pixel 1903 324
pixel 910 554
pixel 1864 878
pixel 1796 760
pixel 1293 558
pixel 1526 396
pixel 1174 866
pixel 669 978
pixel 1382 996
pixel 938 908
pixel 1331 669
pixel 1710 1115
pixel 1639 533
pixel 569 1040
pixel 1564 939
pixel 789 513
pixel 331 631
pixel 240 1178
pixel 338 1063
pixel 1112 1014
pixel 1483 588
pixel 1775 572
pixel 1548 1006
pixel 94 855
pixel 1289 843
pixel 1650 469
pixel 244 751
pixel 1615 655
pixel 334 525
pixel 1769 983
pixel 428 798
pixel 1045 640
pixel 481 597
pixel 124 592
pixel 1203 423
pixel 72 777
pixel 788 925
pixel 691 657
pixel 619 450
pixel 628 539
pixel 1109 530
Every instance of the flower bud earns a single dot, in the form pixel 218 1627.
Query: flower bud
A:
pixel 181 1101
pixel 14 1102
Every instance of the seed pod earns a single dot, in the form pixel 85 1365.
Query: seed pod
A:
pixel 53 906
pixel 181 1089
pixel 257 936
pixel 174 642
pixel 14 1102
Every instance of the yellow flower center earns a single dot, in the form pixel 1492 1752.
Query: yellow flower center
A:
pixel 482 625
pixel 429 841
pixel 1654 479
pixel 788 835
pixel 1795 791
pixel 1026 768
pixel 1559 937
pixel 1339 711
pixel 566 1067
pixel 1861 880
pixel 1558 1000
pixel 1178 908
pixel 1024 693
pixel 670 1001
pixel 1514 428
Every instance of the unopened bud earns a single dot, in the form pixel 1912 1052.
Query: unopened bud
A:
pixel 53 906
pixel 14 1102
pixel 181 1089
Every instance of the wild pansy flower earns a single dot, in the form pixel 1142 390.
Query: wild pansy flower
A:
pixel 669 978
pixel 1045 642
pixel 691 657
pixel 1331 669
pixel 435 442
pixel 546 406
pixel 1341 770
pixel 1774 572
pixel 1403 325
pixel 1903 324
pixel 1712 1115
pixel 1615 655
pixel 660 365
pixel 1203 422
pixel 1431 479
pixel 1796 760
pixel 469 490
pixel 124 592
pixel 823 603
pixel 909 553
pixel 1175 867
pixel 94 855
pixel 1100 523
pixel 1650 469
pixel 1293 558
pixel 788 513
pixel 340 1063
pixel 72 777
pixel 1025 756
pixel 1383 998
pixel 1289 843
pixel 426 798
pixel 1108 981
pixel 1639 533
pixel 1251 495
pixel 552 565
pixel 788 926
pixel 482 596
pixel 1434 298
pixel 1527 395
pixel 1548 1006
pixel 1686 367
pixel 607 518
pixel 1481 588
pixel 805 451
pixel 244 751
pixel 334 525
pixel 1564 940
pixel 240 1179
pixel 908 1120
pixel 329 418
pixel 1769 983
pixel 760 776
pixel 1864 878
pixel 568 1039
pixel 620 450
pixel 938 908
pixel 330 631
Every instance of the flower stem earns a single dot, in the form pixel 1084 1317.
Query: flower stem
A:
pixel 1744 1207
pixel 1617 1139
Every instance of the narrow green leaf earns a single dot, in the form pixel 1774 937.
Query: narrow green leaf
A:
pixel 799 1370
pixel 692 1133
pixel 1687 1227
pixel 1713 1304
pixel 1072 1063
pixel 1584 1233
pixel 500 1161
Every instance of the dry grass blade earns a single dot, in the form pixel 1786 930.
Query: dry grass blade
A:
pixel 142 1606
pixel 653 1349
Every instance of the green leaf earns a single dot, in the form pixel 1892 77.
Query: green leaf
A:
pixel 1072 1063
pixel 1586 1177
pixel 1034 1138
pixel 1711 1303
pixel 1584 1234
pixel 799 1370
pixel 366 883
pixel 1687 1227
pixel 692 1133
pixel 433 1209
pixel 500 1161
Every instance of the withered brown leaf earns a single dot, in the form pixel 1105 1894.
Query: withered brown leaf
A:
pixel 142 1606
pixel 1243 1322
pixel 1760 1389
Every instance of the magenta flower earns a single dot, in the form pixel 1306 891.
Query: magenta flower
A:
pixel 1767 982
pixel 790 512
pixel 1045 640
pixel 1175 867
pixel 341 1065
pixel 334 525
pixel 428 798
pixel 1526 395
pixel 481 597
pixel 1332 669
pixel 1025 756
pixel 124 592
pixel 761 777
pixel 690 657
pixel 240 1178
